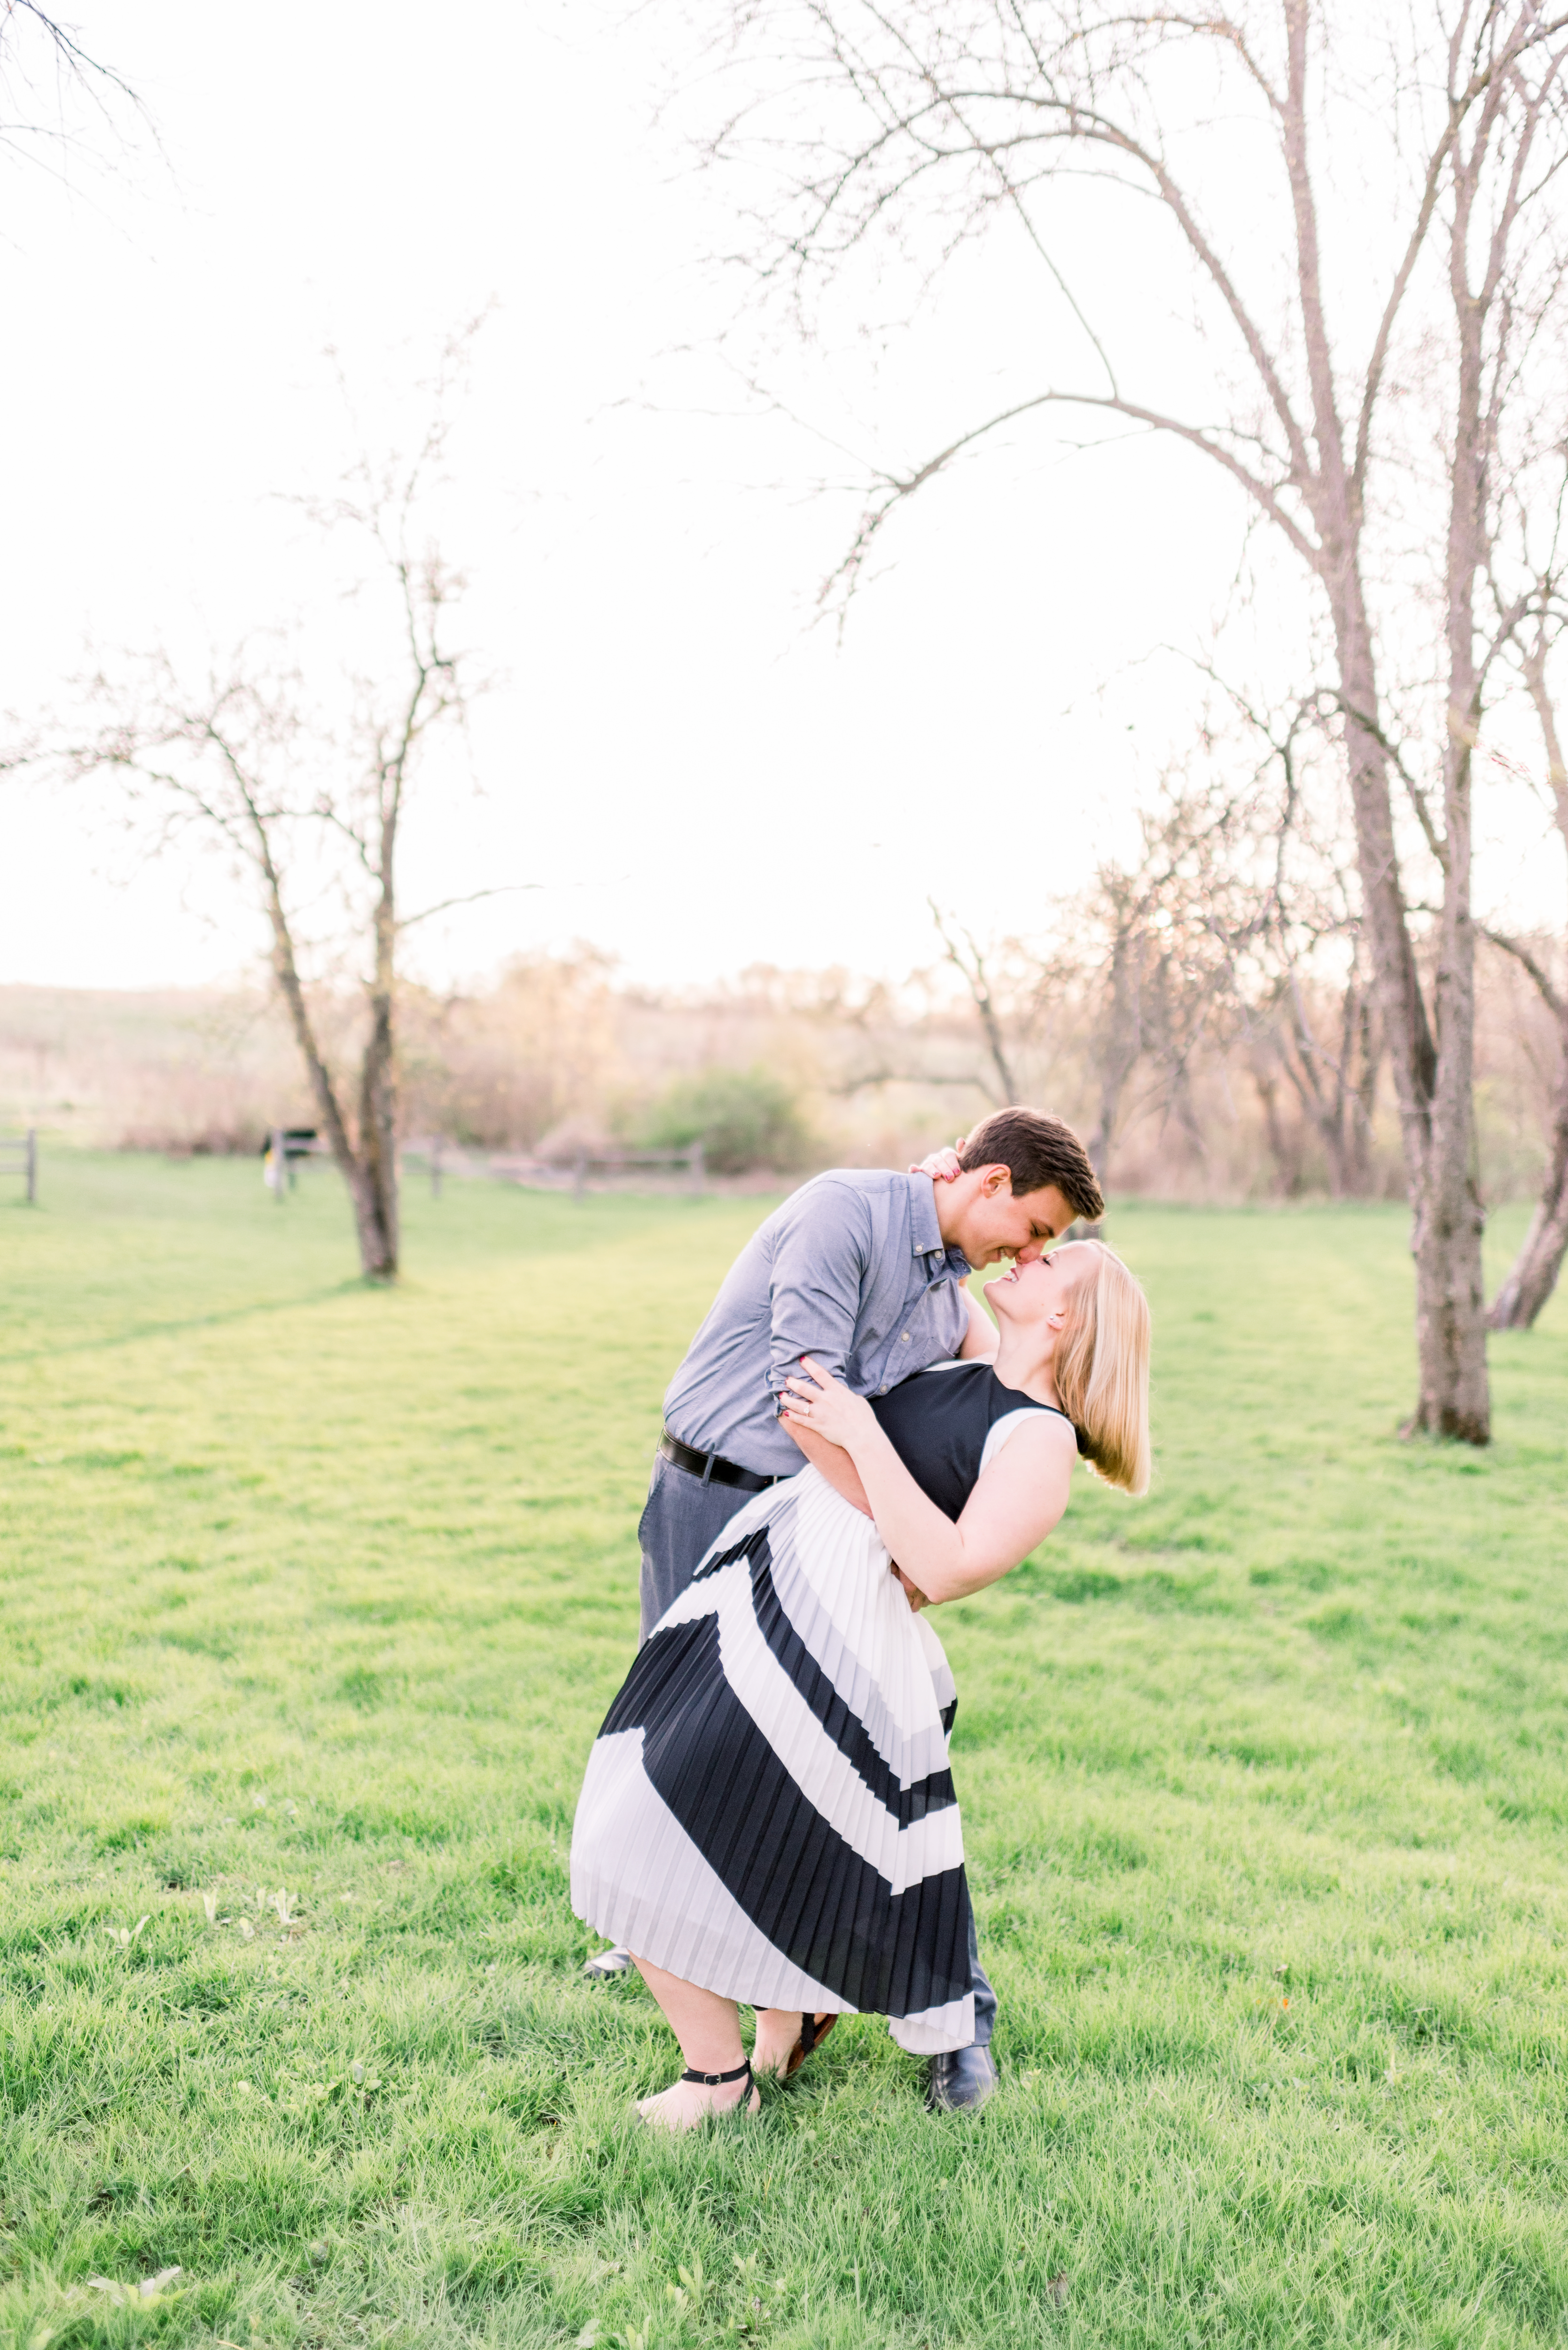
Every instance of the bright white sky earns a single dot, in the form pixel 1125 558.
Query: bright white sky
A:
pixel 682 769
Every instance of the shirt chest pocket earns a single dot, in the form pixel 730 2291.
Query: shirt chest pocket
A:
pixel 928 1330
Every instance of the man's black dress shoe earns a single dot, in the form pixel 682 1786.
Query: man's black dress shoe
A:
pixel 961 2080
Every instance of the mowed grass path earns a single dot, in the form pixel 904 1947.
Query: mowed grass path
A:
pixel 313 1598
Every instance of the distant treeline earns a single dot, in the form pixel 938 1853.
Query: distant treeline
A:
pixel 791 1070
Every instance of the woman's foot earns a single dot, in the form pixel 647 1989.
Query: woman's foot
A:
pixel 773 2041
pixel 686 2103
pixel 717 2078
pixel 779 2035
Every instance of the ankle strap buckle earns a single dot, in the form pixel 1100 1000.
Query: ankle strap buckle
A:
pixel 717 2080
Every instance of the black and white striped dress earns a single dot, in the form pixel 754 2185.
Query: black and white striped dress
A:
pixel 768 1810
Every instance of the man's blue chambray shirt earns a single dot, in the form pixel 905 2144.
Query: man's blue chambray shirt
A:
pixel 853 1270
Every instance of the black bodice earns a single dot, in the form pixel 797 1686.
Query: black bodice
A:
pixel 938 1422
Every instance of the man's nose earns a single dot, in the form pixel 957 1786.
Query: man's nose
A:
pixel 1029 1254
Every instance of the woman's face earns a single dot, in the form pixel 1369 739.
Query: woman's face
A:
pixel 1038 1294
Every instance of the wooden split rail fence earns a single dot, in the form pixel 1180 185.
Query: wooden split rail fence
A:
pixel 19 1156
pixel 554 1174
pixel 286 1145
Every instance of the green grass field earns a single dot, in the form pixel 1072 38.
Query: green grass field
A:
pixel 313 1598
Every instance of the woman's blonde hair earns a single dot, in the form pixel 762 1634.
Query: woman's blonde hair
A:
pixel 1101 1366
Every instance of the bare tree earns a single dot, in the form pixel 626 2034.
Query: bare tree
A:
pixel 923 121
pixel 1539 637
pixel 43 67
pixel 968 960
pixel 309 803
pixel 1142 970
pixel 1327 1045
pixel 1117 1032
pixel 1160 935
pixel 1285 894
pixel 1232 936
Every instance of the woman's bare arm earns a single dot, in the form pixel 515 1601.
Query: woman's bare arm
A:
pixel 1015 1505
pixel 982 1337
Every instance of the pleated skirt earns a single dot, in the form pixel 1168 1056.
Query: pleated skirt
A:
pixel 768 1810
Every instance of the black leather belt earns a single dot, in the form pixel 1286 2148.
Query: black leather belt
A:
pixel 711 1467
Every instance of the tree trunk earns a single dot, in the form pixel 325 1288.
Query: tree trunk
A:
pixel 1431 1077
pixel 1450 1298
pixel 1286 1158
pixel 1336 1155
pixel 376 1200
pixel 1362 1101
pixel 1432 1088
pixel 1533 1276
pixel 376 1193
pixel 1340 1116
pixel 370 1173
pixel 1119 1040
pixel 1450 1311
pixel 1355 1088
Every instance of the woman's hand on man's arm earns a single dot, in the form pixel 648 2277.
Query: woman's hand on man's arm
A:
pixel 830 1460
pixel 813 1397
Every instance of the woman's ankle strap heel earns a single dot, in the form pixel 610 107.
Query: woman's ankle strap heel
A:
pixel 717 2080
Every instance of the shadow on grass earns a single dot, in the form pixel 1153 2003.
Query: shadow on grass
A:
pixel 356 1286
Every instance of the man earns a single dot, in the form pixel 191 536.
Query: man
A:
pixel 865 1271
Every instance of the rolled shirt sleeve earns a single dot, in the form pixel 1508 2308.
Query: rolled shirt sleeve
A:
pixel 818 1281
pixel 851 1269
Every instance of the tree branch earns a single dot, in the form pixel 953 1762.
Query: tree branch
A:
pixel 444 905
pixel 898 491
pixel 1521 954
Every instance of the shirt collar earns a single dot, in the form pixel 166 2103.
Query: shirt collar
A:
pixel 926 1233
pixel 924 1228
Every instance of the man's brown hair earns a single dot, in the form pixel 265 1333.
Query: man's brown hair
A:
pixel 1036 1151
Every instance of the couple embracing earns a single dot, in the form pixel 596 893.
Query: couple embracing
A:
pixel 768 1815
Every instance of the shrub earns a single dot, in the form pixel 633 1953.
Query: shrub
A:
pixel 743 1118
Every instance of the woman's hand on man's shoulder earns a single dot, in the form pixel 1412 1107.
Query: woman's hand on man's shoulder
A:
pixel 942 1166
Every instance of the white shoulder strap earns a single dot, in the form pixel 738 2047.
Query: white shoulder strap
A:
pixel 1008 1426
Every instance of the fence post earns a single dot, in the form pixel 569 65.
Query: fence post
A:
pixel 279 1166
pixel 435 1168
pixel 579 1175
pixel 32 1166
pixel 699 1167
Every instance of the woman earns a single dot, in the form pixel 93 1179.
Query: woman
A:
pixel 768 1815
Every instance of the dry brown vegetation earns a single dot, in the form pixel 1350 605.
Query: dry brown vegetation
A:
pixel 557 1053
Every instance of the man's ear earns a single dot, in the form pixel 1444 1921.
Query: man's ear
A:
pixel 996 1182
